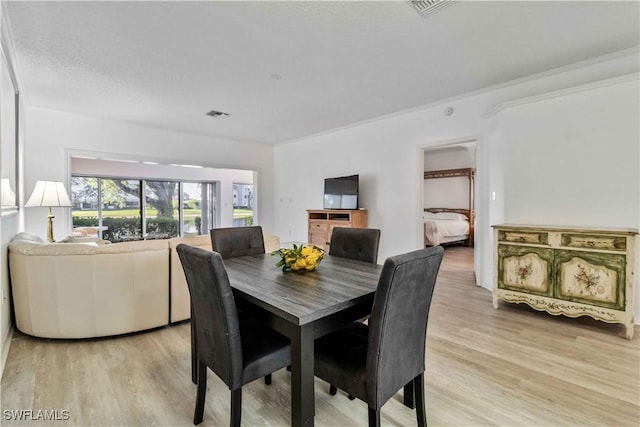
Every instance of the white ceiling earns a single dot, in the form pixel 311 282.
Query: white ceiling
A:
pixel 166 64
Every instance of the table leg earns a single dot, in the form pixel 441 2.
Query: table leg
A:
pixel 302 376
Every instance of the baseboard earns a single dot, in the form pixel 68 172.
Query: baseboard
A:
pixel 5 350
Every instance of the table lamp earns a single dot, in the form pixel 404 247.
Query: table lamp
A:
pixel 49 194
pixel 7 196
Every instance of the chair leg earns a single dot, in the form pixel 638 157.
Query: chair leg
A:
pixel 374 417
pixel 201 394
pixel 332 390
pixel 409 400
pixel 236 407
pixel 194 349
pixel 418 386
pixel 267 379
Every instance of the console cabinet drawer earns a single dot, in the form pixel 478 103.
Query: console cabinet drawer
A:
pixel 586 241
pixel 318 226
pixel 530 237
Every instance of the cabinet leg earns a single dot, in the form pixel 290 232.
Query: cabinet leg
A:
pixel 495 301
pixel 629 331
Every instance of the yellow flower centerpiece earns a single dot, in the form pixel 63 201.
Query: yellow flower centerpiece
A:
pixel 300 258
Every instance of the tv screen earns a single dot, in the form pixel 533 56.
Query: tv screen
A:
pixel 341 192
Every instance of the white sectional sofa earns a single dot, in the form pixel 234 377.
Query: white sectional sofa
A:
pixel 89 289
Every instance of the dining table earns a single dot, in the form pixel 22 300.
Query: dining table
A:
pixel 304 306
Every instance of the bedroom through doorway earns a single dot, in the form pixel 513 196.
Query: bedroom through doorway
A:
pixel 449 189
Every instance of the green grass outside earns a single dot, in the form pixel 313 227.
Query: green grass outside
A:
pixel 242 213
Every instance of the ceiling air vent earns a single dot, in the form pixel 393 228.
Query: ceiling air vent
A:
pixel 214 113
pixel 425 7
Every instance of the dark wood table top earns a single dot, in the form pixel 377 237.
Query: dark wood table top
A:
pixel 301 298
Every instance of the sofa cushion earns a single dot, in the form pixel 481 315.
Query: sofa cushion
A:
pixel 84 239
pixel 28 237
pixel 134 246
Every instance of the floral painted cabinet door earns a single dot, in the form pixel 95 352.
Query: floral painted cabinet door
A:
pixel 591 278
pixel 525 269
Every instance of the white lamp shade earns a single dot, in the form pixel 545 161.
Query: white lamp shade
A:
pixel 7 196
pixel 49 193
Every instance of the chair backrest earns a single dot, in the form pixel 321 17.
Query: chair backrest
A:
pixel 398 322
pixel 237 241
pixel 360 244
pixel 214 312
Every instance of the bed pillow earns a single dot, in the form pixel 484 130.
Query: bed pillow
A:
pixel 451 216
pixel 428 215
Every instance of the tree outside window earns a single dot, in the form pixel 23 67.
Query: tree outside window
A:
pixel 161 209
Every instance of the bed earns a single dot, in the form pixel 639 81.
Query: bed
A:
pixel 450 225
pixel 445 225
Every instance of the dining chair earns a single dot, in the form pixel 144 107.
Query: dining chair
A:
pixel 360 244
pixel 237 352
pixel 372 362
pixel 234 242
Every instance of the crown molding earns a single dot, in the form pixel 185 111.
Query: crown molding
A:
pixel 526 79
pixel 562 92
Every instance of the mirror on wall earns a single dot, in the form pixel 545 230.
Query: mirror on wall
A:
pixel 8 137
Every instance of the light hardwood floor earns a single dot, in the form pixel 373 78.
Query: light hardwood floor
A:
pixel 511 367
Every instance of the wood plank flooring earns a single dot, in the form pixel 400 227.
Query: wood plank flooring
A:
pixel 509 367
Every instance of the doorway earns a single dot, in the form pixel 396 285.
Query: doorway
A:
pixel 448 201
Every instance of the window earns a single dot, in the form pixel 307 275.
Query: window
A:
pixel 242 204
pixel 161 209
pixel 197 203
pixel 120 217
pixel 135 209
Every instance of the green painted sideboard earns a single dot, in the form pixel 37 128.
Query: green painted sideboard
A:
pixel 569 271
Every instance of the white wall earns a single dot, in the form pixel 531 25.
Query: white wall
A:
pixel 10 219
pixel 574 159
pixel 448 192
pixel 387 155
pixel 456 156
pixel 53 136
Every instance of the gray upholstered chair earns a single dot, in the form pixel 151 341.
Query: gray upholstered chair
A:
pixel 237 241
pixel 232 242
pixel 360 244
pixel 237 352
pixel 373 362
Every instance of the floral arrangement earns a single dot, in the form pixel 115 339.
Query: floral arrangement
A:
pixel 300 258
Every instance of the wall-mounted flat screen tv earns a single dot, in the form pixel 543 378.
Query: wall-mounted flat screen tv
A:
pixel 341 192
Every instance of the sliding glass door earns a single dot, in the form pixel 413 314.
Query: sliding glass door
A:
pixel 134 209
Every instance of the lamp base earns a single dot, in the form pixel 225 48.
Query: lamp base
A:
pixel 50 227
